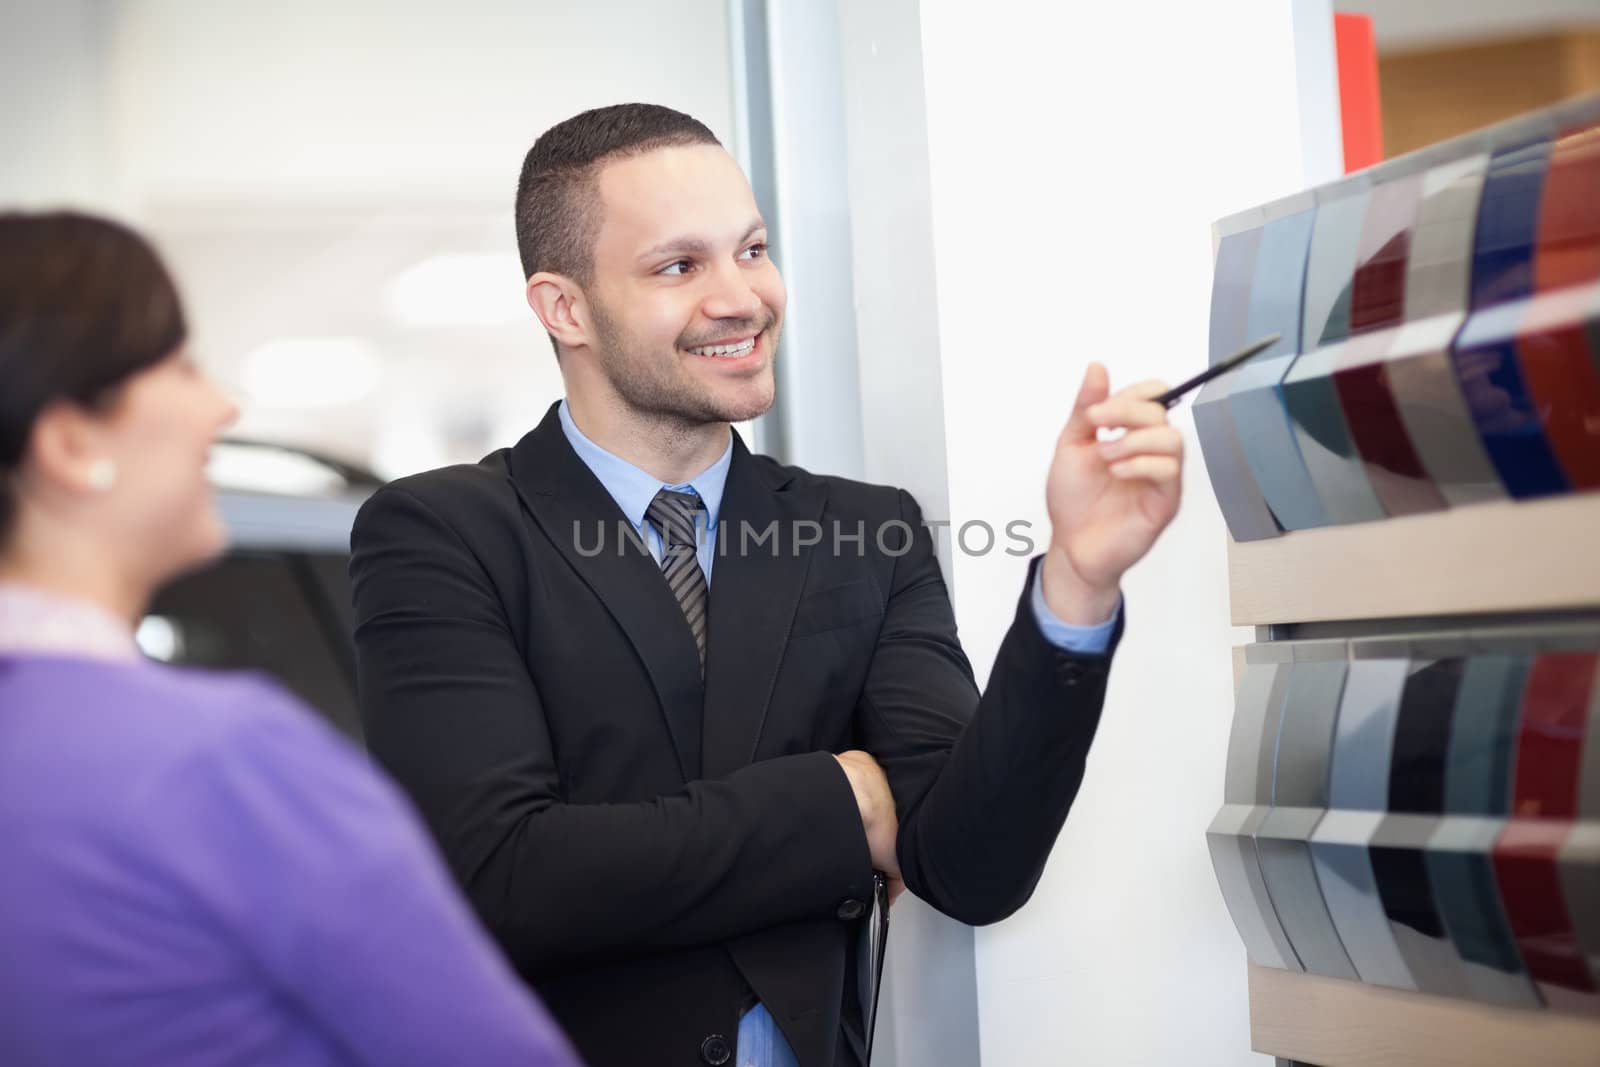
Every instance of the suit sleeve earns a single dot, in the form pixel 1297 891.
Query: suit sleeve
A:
pixel 983 782
pixel 450 708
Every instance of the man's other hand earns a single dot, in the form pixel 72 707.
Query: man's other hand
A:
pixel 878 816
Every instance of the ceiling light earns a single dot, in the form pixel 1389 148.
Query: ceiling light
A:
pixel 459 289
pixel 311 372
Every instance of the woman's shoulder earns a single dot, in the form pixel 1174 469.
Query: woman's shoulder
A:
pixel 133 715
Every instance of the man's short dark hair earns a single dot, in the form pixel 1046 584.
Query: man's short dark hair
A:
pixel 558 211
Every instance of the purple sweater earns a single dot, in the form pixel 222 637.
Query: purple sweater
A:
pixel 195 870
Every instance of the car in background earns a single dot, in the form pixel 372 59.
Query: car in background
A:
pixel 279 599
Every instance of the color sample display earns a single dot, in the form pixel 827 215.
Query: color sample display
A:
pixel 1421 813
pixel 1440 334
pixel 1415 803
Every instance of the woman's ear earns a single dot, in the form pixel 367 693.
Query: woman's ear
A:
pixel 561 307
pixel 68 449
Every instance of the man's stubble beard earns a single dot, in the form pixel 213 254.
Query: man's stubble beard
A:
pixel 654 389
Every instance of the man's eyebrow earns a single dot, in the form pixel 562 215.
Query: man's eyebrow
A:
pixel 694 245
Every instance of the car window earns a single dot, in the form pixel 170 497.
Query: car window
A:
pixel 286 613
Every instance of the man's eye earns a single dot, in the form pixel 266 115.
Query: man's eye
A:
pixel 673 268
pixel 756 251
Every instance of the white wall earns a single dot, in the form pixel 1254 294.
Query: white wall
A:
pixel 1078 156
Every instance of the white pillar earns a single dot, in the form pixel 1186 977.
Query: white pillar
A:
pixel 53 106
pixel 829 114
pixel 929 1013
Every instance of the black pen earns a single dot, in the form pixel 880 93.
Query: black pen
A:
pixel 1173 395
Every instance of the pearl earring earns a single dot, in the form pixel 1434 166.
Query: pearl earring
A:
pixel 102 475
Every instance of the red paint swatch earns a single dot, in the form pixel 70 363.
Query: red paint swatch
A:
pixel 1559 369
pixel 1530 886
pixel 1555 708
pixel 1567 248
pixel 1559 364
pixel 1544 799
pixel 1377 303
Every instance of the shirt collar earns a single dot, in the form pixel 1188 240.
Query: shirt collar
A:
pixel 34 621
pixel 632 488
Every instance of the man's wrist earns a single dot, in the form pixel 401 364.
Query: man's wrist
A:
pixel 1070 598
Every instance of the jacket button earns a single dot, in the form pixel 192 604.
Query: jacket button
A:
pixel 715 1051
pixel 851 909
pixel 1070 673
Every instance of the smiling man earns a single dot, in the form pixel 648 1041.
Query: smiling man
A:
pixel 666 704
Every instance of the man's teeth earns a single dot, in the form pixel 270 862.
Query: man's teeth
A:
pixel 725 350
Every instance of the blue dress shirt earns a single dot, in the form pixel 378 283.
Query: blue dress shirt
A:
pixel 761 1043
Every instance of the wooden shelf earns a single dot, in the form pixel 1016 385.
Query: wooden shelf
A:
pixel 1508 556
pixel 1335 1023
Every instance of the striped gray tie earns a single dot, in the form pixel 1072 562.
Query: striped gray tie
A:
pixel 674 517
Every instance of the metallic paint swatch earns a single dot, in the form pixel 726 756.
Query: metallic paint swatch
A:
pixel 1243 507
pixel 1416 802
pixel 1256 400
pixel 1420 375
pixel 1358 790
pixel 1309 394
pixel 1300 799
pixel 1477 796
pixel 1247 795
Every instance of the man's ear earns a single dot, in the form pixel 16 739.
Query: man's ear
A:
pixel 560 305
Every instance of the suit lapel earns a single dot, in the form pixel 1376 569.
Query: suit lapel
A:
pixel 755 589
pixel 585 525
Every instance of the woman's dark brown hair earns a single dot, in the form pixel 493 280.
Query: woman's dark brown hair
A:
pixel 85 304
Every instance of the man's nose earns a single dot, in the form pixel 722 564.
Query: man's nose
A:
pixel 731 296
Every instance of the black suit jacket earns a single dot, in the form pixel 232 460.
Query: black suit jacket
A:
pixel 642 843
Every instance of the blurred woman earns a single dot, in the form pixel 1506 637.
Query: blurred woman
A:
pixel 193 868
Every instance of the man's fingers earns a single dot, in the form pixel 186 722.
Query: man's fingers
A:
pixel 1127 411
pixel 1095 388
pixel 1148 389
pixel 1160 470
pixel 1152 441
